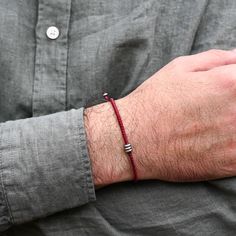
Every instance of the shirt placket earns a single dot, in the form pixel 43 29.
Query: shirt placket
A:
pixel 49 89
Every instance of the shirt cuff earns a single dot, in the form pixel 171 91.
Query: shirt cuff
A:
pixel 45 167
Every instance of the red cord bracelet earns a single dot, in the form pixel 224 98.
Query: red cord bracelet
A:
pixel 127 145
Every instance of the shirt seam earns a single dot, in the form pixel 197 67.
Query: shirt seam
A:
pixel 5 198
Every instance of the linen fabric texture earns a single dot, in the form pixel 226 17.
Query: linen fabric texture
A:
pixel 110 46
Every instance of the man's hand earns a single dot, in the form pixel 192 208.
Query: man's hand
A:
pixel 181 123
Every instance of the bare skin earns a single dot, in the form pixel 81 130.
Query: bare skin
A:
pixel 181 123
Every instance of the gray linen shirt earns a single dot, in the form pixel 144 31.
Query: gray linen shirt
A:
pixel 46 185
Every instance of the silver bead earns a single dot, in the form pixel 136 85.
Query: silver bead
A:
pixel 128 147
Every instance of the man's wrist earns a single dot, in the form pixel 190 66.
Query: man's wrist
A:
pixel 110 164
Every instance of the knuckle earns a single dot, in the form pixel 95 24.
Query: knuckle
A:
pixel 178 62
pixel 224 79
pixel 216 52
pixel 219 73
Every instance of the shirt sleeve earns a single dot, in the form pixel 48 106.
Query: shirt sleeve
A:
pixel 44 167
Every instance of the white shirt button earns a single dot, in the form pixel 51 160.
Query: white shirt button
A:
pixel 52 32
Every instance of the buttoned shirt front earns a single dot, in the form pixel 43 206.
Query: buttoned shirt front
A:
pixel 58 57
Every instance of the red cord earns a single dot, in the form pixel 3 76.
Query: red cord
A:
pixel 124 135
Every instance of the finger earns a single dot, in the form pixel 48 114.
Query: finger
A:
pixel 207 60
pixel 227 72
pixel 225 75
